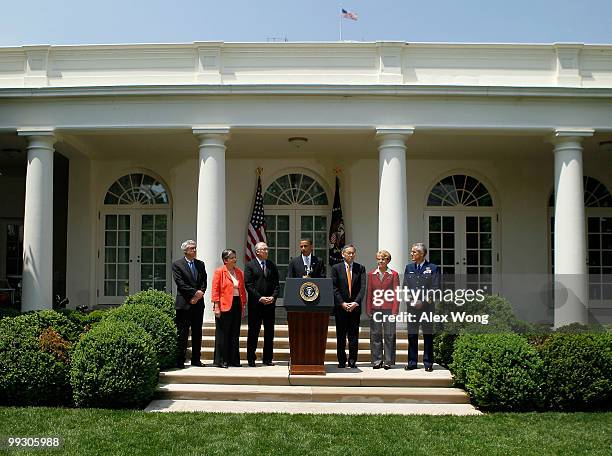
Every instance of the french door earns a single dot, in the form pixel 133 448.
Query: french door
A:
pixel 134 254
pixel 285 228
pixel 464 245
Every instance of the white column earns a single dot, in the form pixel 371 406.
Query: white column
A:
pixel 571 287
pixel 211 225
pixel 37 282
pixel 392 195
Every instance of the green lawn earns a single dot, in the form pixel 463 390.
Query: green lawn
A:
pixel 134 432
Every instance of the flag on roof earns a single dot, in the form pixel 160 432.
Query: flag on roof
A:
pixel 349 15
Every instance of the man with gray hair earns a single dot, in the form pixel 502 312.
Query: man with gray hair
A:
pixel 190 277
pixel 420 276
pixel 262 283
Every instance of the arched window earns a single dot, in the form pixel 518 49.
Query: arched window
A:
pixel 595 194
pixel 460 190
pixel 135 223
pixel 598 215
pixel 295 189
pixel 461 232
pixel 136 188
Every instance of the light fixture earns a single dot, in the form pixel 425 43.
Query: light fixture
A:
pixel 297 141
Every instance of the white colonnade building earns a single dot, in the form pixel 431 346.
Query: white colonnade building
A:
pixel 498 157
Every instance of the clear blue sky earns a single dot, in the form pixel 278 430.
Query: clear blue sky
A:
pixel 146 21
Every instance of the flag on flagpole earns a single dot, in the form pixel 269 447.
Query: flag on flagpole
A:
pixel 349 15
pixel 336 229
pixel 256 232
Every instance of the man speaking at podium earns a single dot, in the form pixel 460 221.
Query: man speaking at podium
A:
pixel 305 265
pixel 349 279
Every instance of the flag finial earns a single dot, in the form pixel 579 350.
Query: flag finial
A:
pixel 337 171
pixel 259 171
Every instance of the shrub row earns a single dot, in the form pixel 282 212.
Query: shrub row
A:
pixel 567 371
pixel 107 358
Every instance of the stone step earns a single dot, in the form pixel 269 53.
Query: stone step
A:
pixel 165 405
pixel 282 354
pixel 364 375
pixel 281 393
pixel 283 342
pixel 283 331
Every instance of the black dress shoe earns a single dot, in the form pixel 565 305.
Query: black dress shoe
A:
pixel 429 369
pixel 341 365
pixel 410 367
pixel 268 363
pixel 197 364
pixel 386 367
pixel 377 366
pixel 352 364
pixel 251 363
pixel 223 365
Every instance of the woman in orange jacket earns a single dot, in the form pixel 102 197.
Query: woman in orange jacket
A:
pixel 228 295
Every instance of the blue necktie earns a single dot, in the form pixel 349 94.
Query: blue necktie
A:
pixel 192 268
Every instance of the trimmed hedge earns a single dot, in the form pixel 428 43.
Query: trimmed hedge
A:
pixel 160 299
pixel 35 357
pixel 114 365
pixel 501 320
pixel 499 371
pixel 156 323
pixel 577 371
pixel 84 320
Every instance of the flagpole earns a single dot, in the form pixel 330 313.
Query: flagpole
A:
pixel 341 25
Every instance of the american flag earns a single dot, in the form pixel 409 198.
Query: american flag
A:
pixel 349 15
pixel 256 231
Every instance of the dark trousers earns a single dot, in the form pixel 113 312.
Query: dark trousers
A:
pixel 227 335
pixel 189 319
pixel 347 324
pixel 413 336
pixel 259 313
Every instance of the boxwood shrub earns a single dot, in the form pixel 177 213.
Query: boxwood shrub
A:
pixel 34 358
pixel 84 320
pixel 156 298
pixel 499 371
pixel 114 366
pixel 577 370
pixel 156 323
pixel 501 320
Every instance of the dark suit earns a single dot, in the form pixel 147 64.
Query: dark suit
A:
pixel 189 315
pixel 347 323
pixel 257 285
pixel 297 270
pixel 428 278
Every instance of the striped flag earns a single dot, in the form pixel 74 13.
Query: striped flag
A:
pixel 256 231
pixel 349 15
pixel 336 229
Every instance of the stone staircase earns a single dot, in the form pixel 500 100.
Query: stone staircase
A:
pixel 345 391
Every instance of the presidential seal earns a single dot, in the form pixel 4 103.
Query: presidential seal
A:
pixel 309 291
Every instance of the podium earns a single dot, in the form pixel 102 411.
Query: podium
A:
pixel 308 303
